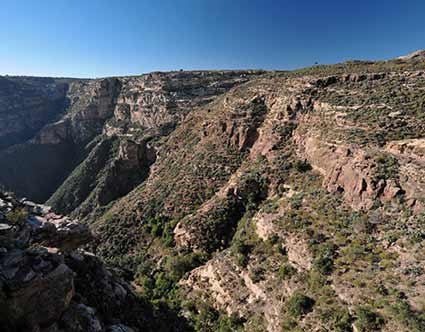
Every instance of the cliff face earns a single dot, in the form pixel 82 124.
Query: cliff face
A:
pixel 27 105
pixel 50 126
pixel 253 201
pixel 38 164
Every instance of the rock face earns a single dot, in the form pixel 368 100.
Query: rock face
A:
pixel 214 224
pixel 90 104
pixel 352 175
pixel 61 123
pixel 28 104
pixel 112 168
pixel 48 285
pixel 367 173
pixel 161 100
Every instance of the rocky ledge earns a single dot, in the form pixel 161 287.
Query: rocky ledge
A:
pixel 48 284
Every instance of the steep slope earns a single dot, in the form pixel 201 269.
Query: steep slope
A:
pixel 308 258
pixel 289 203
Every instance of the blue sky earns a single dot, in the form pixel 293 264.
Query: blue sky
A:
pixel 94 38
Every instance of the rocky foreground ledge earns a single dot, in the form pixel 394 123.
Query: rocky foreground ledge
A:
pixel 48 284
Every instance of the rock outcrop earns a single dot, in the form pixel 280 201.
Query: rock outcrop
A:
pixel 46 284
pixel 214 223
pixel 417 56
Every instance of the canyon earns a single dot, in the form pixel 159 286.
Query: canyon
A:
pixel 215 200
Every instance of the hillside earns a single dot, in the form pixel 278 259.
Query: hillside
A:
pixel 243 200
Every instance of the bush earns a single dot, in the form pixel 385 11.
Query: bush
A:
pixel 299 305
pixel 256 274
pixel 302 166
pixel 230 323
pixel 387 167
pixel 286 271
pixel 296 201
pixel 242 248
pixel 403 313
pixel 177 266
pixel 336 318
pixel 162 226
pixel 163 285
pixel 17 216
pixel 206 319
pixel 324 263
pixel 368 320
pixel 242 251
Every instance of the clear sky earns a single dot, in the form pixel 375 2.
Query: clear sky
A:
pixel 94 38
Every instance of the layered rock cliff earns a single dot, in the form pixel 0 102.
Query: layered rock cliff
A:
pixel 55 124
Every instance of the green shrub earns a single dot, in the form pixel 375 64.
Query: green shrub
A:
pixel 299 305
pixel 207 319
pixel 240 247
pixel 157 230
pixel 17 216
pixel 162 226
pixel 368 320
pixel 302 166
pixel 286 271
pixel 402 312
pixel 336 318
pixel 177 266
pixel 242 251
pixel 387 167
pixel 163 285
pixel 289 324
pixel 231 323
pixel 324 263
pixel 296 201
pixel 148 285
